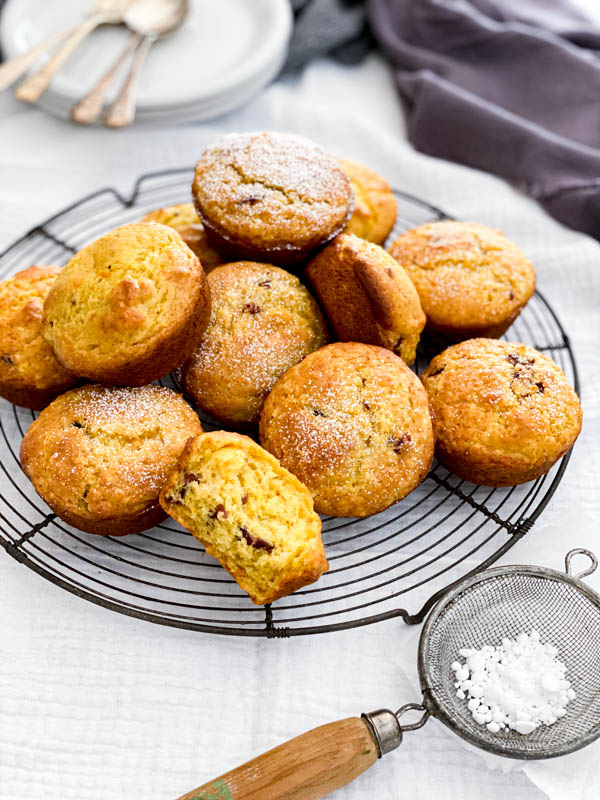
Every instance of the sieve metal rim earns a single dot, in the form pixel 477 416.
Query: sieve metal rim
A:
pixel 430 700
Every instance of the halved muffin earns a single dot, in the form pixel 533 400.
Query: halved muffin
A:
pixel 249 512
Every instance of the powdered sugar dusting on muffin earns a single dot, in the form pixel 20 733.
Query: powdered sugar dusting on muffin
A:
pixel 263 321
pixel 352 422
pixel 100 455
pixel 271 192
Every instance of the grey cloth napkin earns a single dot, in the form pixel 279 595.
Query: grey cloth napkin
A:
pixel 507 86
pixel 336 28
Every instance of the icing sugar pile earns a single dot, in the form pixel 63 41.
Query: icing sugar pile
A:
pixel 519 684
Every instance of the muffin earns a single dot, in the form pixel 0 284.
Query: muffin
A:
pixel 99 456
pixel 184 219
pixel 30 375
pixel 472 281
pixel 263 321
pixel 504 413
pixel 128 308
pixel 375 206
pixel 352 422
pixel 270 197
pixel 249 512
pixel 367 296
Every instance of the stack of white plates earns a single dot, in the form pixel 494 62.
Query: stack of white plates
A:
pixel 223 54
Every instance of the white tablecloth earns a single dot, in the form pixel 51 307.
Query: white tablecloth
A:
pixel 97 706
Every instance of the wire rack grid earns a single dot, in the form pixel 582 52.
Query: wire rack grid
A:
pixel 393 564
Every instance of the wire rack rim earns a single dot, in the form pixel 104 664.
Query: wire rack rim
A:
pixel 266 627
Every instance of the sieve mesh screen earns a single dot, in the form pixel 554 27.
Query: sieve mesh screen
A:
pixel 506 602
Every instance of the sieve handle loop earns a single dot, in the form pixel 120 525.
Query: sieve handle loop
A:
pixel 580 551
pixel 413 726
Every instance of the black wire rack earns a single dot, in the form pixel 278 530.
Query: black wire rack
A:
pixel 393 564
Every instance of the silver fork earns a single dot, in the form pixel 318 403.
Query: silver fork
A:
pixel 103 12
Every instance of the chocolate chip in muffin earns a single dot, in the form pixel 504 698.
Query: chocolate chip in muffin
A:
pixel 219 512
pixel 266 284
pixel 399 443
pixel 515 358
pixel 251 200
pixel 190 477
pixel 7 360
pixel 256 541
pixel 252 308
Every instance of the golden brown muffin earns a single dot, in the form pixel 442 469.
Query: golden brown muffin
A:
pixel 271 197
pixel 504 413
pixel 375 206
pixel 99 456
pixel 263 321
pixel 249 512
pixel 352 422
pixel 367 296
pixel 184 219
pixel 472 281
pixel 30 375
pixel 128 308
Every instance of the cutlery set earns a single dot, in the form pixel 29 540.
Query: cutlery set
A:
pixel 148 20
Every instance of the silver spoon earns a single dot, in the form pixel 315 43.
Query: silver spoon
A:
pixel 150 20
pixel 89 108
pixel 31 89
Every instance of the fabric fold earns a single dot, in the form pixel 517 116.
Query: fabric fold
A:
pixel 482 87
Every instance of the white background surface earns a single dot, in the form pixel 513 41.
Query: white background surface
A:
pixel 97 706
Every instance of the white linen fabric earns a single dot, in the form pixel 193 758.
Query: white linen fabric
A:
pixel 98 706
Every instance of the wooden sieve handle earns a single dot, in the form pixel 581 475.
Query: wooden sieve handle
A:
pixel 305 768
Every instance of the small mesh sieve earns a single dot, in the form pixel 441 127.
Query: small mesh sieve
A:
pixel 483 609
pixel 480 610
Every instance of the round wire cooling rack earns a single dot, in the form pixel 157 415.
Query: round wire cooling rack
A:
pixel 393 564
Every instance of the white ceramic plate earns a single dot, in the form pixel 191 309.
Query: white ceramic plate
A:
pixel 205 110
pixel 224 47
